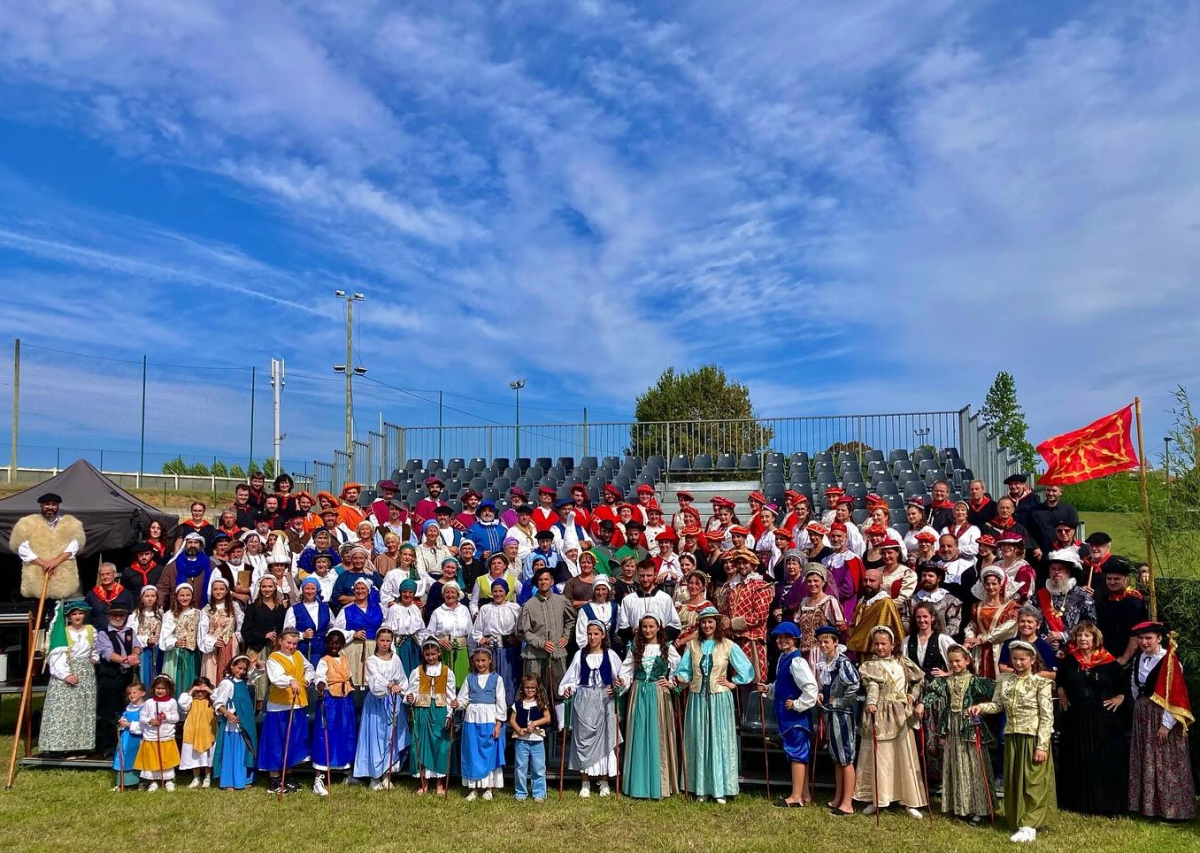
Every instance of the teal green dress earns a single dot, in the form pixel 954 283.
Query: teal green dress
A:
pixel 651 766
pixel 710 744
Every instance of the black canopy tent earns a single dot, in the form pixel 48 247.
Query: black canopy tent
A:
pixel 112 518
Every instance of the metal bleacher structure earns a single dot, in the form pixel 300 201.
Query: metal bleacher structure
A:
pixel 896 456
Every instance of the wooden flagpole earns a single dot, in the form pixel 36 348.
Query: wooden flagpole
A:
pixel 1137 409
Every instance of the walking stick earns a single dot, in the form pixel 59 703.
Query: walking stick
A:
pixel 120 757
pixel 984 771
pixel 762 715
pixel 162 774
pixel 682 752
pixel 562 756
pixel 449 753
pixel 617 745
pixel 27 689
pixel 325 728
pixel 875 768
pixel 392 742
pixel 925 773
pixel 812 756
pixel 287 740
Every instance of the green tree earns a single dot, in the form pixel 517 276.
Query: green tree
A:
pixel 268 468
pixel 717 414
pixel 220 469
pixel 1003 415
pixel 199 469
pixel 237 471
pixel 175 466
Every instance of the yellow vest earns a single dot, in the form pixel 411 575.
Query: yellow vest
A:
pixel 432 689
pixel 720 666
pixel 294 667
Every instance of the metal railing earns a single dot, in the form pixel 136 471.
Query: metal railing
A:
pixel 374 459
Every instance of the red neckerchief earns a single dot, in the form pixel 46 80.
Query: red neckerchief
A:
pixel 941 505
pixel 1096 658
pixel 996 522
pixel 231 532
pixel 146 574
pixel 1124 594
pixel 194 525
pixel 965 526
pixel 978 506
pixel 107 598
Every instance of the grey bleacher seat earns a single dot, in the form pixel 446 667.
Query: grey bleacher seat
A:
pixel 589 462
pixel 927 465
pixel 622 483
pixel 543 462
pixel 702 462
pixel 955 497
pixel 773 467
pixel 478 483
pixel 455 465
pixel 773 477
pixel 773 456
pixel 547 483
pixel 510 472
pixel 567 463
pixel 646 480
pixel 845 456
pixel 726 462
pixel 455 504
pixel 502 504
pixel 856 490
pixel 564 492
pixel 492 494
pixel 798 458
pixel 901 465
pixel 413 496
pixel 822 456
pixel 898 455
pixel 915 489
pixel 852 475
pixel 843 467
pixel 921 454
pixel 636 460
pixel 412 466
pixel 895 505
pixel 526 485
pixel 479 463
pixel 535 471
pixel 933 476
pixel 453 487
pixel 680 463
pixel 887 487
pixel 800 475
pixel 501 462
pixel 501 484
pixel 435 465
pixel 750 462
pixel 657 459
pixel 613 461
pixel 873 456
pixel 878 477
pixel 901 527
pixel 774 493
pixel 858 516
pixel 397 475
pixel 968 475
pixel 957 463
pixel 523 463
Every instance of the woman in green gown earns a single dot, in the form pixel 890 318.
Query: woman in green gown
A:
pixel 710 745
pixel 651 768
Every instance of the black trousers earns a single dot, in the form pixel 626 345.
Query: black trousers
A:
pixel 110 703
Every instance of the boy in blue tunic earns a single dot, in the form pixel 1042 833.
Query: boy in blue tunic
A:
pixel 794 694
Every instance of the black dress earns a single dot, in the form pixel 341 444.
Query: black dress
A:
pixel 1093 755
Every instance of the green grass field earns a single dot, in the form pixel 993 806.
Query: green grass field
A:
pixel 65 809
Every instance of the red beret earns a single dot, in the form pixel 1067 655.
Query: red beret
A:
pixel 613 490
pixel 835 490
pixel 739 529
pixel 546 490
pixel 645 489
pixel 926 536
pixel 837 525
pixel 667 535
pixel 757 496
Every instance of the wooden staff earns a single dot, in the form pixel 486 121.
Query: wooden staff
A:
pixel 27 689
pixel 984 773
pixel 449 752
pixel 562 755
pixel 158 740
pixel 682 749
pixel 325 728
pixel 392 742
pixel 925 772
pixel 287 739
pixel 875 768
pixel 1137 408
pixel 120 756
pixel 617 745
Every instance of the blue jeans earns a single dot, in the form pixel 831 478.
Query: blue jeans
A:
pixel 530 756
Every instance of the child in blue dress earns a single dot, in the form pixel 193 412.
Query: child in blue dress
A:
pixel 131 738
pixel 483 738
pixel 237 741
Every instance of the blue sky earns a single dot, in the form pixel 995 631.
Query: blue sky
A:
pixel 853 207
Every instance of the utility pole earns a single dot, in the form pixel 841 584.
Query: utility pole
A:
pixel 517 385
pixel 277 383
pixel 142 445
pixel 351 371
pixel 16 410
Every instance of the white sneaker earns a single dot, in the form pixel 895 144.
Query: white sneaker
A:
pixel 207 783
pixel 319 786
pixel 472 796
pixel 487 795
pixel 1024 835
pixel 195 783
pixel 916 814
pixel 721 801
pixel 376 785
pixel 869 810
pixel 170 786
pixel 152 787
pixel 604 791
pixel 585 790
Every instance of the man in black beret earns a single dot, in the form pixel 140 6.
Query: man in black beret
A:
pixel 1118 608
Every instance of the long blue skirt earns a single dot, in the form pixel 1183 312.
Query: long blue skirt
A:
pixel 151 665
pixel 336 714
pixel 508 667
pixel 274 734
pixel 480 753
pixel 375 737
pixel 232 771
